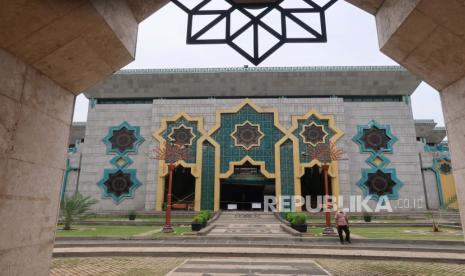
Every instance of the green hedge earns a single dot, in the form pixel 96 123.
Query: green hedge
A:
pixel 299 218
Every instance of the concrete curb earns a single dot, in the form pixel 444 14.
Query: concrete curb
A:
pixel 354 246
pixel 290 230
pixel 214 218
pixel 271 239
pixel 206 230
pixel 106 252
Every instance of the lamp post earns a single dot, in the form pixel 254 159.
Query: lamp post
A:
pixel 325 153
pixel 170 153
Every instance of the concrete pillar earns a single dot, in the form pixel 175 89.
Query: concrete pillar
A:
pixel 50 51
pixel 34 125
pixel 453 103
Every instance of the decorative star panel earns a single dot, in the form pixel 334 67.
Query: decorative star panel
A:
pixel 255 30
pixel 380 182
pixel 183 131
pixel 226 125
pixel 375 138
pixel 314 134
pixel 119 184
pixel 123 139
pixel 182 135
pixel 247 135
pixel 378 160
pixel 442 165
pixel 121 161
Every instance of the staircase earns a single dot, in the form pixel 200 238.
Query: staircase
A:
pixel 247 224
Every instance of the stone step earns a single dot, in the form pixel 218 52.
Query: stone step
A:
pixel 247 224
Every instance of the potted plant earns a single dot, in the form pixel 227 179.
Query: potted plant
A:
pixel 367 217
pixel 206 215
pixel 132 215
pixel 290 216
pixel 299 222
pixel 197 223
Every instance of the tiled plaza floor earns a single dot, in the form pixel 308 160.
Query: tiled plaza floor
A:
pixel 386 268
pixel 144 266
pixel 117 266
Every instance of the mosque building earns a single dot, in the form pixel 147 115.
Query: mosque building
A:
pixel 246 133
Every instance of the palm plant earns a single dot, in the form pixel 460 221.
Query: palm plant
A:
pixel 435 220
pixel 75 207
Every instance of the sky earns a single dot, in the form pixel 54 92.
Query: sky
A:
pixel 352 41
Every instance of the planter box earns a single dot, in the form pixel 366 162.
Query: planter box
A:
pixel 302 228
pixel 367 219
pixel 196 226
pixel 132 217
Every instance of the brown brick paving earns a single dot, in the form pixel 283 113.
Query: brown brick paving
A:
pixel 144 266
pixel 386 268
pixel 117 266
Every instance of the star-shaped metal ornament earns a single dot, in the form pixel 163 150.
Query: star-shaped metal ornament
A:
pixel 255 28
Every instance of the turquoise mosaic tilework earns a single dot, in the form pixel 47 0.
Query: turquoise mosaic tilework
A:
pixel 362 183
pixel 301 124
pixel 208 177
pixel 287 169
pixel 193 125
pixel 126 162
pixel 265 152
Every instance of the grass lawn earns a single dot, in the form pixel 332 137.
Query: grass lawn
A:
pixel 102 230
pixel 112 231
pixel 141 218
pixel 408 233
pixel 399 233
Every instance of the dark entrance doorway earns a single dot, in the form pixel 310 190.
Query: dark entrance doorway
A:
pixel 183 189
pixel 313 186
pixel 244 188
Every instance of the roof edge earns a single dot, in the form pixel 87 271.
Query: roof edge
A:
pixel 263 69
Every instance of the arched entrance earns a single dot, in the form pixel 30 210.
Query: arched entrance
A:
pixel 312 185
pixel 183 189
pixel 245 189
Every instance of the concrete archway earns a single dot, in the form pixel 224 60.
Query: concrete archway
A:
pixel 53 50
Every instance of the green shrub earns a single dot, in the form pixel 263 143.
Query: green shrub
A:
pixel 74 208
pixel 203 215
pixel 198 219
pixel 206 214
pixel 299 218
pixel 290 216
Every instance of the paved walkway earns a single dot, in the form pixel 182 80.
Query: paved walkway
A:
pixel 247 224
pixel 156 266
pixel 248 266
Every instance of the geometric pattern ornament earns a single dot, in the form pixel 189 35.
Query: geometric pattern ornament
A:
pixel 255 28
pixel 445 168
pixel 314 134
pixel 121 161
pixel 119 184
pixel 247 135
pixel 378 182
pixel 182 135
pixel 123 139
pixel 375 138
